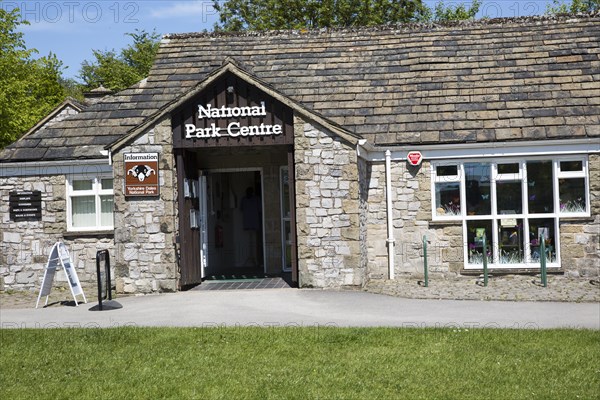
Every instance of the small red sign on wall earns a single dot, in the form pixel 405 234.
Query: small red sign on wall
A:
pixel 414 158
pixel 141 174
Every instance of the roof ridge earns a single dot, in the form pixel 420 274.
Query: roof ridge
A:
pixel 411 26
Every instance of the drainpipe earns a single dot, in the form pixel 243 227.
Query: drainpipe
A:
pixel 107 153
pixel 390 222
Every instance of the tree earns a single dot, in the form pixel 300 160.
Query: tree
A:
pixel 260 15
pixel 72 88
pixel 119 71
pixel 458 12
pixel 576 6
pixel 29 88
pixel 240 15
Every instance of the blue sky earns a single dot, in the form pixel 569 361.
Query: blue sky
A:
pixel 72 28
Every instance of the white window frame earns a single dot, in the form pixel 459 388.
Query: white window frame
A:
pixel 584 173
pixel 97 192
pixel 525 216
pixel 458 178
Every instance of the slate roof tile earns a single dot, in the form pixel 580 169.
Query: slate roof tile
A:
pixel 27 143
pixel 60 153
pixel 33 153
pixel 55 142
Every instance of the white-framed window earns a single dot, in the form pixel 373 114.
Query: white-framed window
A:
pixel 90 203
pixel 513 203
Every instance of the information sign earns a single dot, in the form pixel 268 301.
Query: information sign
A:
pixel 25 206
pixel 141 174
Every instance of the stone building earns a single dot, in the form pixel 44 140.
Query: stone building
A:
pixel 326 155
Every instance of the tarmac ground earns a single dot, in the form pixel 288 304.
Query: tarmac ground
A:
pixel 303 307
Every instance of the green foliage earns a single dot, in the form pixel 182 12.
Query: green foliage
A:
pixel 259 15
pixel 72 88
pixel 576 6
pixel 299 363
pixel 455 12
pixel 29 88
pixel 117 71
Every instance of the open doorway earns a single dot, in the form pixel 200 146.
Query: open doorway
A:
pixel 235 224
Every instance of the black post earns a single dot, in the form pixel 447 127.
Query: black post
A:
pixel 100 256
pixel 107 276
pixel 425 266
pixel 103 256
pixel 485 262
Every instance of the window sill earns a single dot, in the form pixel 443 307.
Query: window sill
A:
pixel 445 222
pixel 89 234
pixel 574 218
pixel 511 271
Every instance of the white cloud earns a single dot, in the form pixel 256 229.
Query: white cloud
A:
pixel 49 27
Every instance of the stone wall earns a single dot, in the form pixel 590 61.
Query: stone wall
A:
pixel 412 216
pixel 376 222
pixel 327 209
pixel 580 238
pixel 26 245
pixel 145 227
pixel 64 113
pixel 363 171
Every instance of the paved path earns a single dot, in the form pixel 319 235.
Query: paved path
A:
pixel 293 307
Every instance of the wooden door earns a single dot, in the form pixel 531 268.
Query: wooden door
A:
pixel 189 228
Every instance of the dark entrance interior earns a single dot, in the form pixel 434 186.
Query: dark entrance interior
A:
pixel 246 218
pixel 235 225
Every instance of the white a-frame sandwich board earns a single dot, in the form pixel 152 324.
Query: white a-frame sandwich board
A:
pixel 59 255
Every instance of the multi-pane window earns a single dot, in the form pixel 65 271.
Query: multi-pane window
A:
pixel 513 204
pixel 90 202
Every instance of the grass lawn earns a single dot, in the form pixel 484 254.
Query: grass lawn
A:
pixel 299 363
